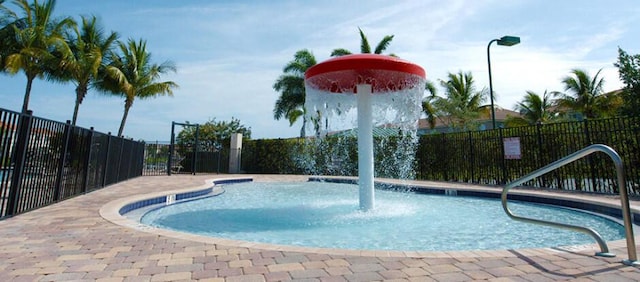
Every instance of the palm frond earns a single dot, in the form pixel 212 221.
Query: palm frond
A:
pixel 365 48
pixel 431 88
pixel 583 93
pixel 302 61
pixel 384 44
pixel 340 52
pixel 294 115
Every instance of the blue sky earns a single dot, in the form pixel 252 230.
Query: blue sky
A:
pixel 229 53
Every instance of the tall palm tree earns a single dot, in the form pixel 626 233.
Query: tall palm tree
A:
pixel 290 84
pixel 585 95
pixel 89 45
pixel 131 74
pixel 365 48
pixel 535 108
pixel 38 42
pixel 463 103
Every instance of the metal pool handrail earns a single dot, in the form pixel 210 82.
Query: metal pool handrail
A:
pixel 624 199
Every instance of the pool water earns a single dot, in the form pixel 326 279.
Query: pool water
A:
pixel 327 215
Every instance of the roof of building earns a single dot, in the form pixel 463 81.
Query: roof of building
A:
pixel 501 115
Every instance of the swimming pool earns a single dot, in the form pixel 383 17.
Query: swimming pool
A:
pixel 314 214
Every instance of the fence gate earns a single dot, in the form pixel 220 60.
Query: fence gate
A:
pixel 189 153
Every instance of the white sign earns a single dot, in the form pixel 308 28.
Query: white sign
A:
pixel 512 148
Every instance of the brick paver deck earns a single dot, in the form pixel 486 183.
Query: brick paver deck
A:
pixel 71 241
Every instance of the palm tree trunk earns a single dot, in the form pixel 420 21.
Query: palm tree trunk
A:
pixel 303 129
pixel 127 106
pixel 79 98
pixel 75 113
pixel 27 94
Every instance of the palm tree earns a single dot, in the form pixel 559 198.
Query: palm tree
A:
pixel 462 103
pixel 131 75
pixel 535 108
pixel 586 96
pixel 89 45
pixel 365 48
pixel 290 84
pixel 38 44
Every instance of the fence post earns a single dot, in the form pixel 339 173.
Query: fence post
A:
pixel 539 157
pixel 106 160
pixel 20 157
pixel 62 160
pixel 444 150
pixel 171 148
pixel 218 147
pixel 132 153
pixel 97 180
pixel 195 151
pixel 87 161
pixel 472 160
pixel 139 155
pixel 503 162
pixel 121 140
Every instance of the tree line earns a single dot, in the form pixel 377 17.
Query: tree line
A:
pixel 462 103
pixel 35 42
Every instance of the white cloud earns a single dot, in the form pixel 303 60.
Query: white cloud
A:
pixel 229 55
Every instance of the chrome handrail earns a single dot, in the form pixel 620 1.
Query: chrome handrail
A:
pixel 624 199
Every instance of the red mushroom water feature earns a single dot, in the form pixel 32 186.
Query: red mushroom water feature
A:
pixel 365 75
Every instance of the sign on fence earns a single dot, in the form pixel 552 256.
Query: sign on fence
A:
pixel 512 148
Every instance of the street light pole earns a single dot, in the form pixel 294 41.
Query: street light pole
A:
pixel 493 112
pixel 504 41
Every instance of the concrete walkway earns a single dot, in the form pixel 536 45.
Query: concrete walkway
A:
pixel 71 241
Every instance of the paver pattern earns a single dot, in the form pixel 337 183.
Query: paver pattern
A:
pixel 71 241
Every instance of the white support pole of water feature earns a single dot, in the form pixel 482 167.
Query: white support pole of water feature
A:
pixel 365 146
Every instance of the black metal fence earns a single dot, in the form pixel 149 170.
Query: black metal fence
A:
pixel 479 156
pixel 185 158
pixel 44 161
pixel 156 155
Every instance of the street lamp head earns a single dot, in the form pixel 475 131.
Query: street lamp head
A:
pixel 508 40
pixel 504 41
